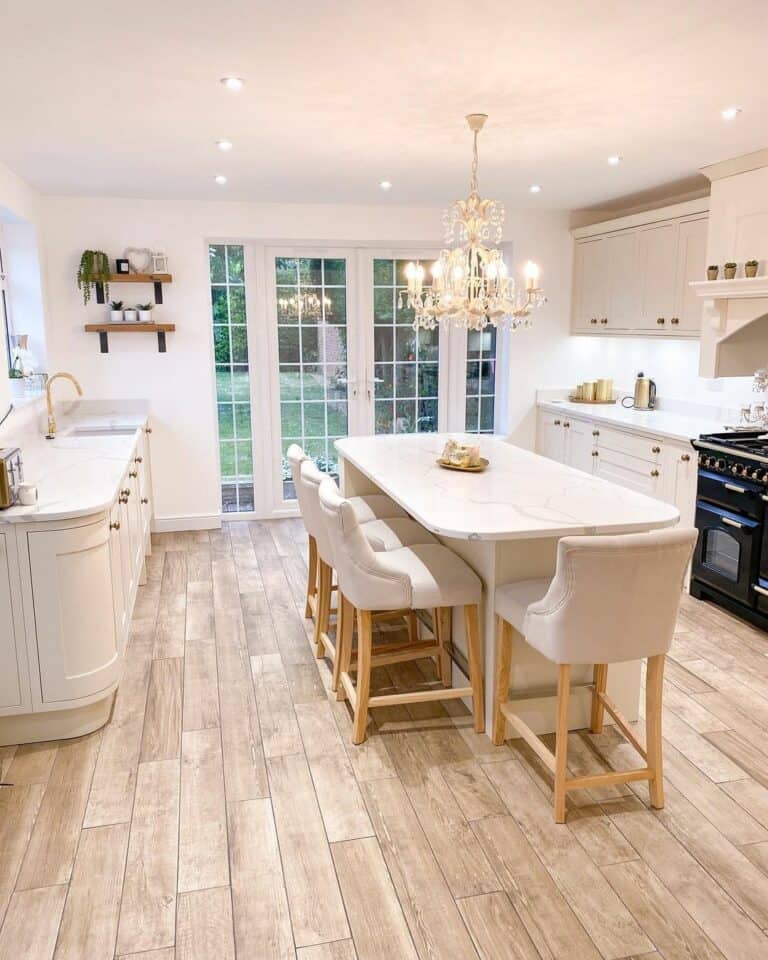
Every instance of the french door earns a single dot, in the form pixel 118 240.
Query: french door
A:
pixel 330 352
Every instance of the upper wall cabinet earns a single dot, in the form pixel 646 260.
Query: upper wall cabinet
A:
pixel 631 275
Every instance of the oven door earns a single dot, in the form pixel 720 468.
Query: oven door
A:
pixel 727 552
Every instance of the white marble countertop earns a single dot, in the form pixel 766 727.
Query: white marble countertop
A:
pixel 76 476
pixel 520 496
pixel 654 423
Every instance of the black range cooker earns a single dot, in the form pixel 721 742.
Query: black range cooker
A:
pixel 730 565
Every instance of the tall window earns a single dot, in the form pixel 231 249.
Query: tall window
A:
pixel 406 372
pixel 311 295
pixel 233 393
pixel 481 380
pixel 4 325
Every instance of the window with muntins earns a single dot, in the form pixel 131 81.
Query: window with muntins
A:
pixel 481 380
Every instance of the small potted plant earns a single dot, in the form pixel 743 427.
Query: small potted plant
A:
pixel 145 312
pixel 93 268
pixel 116 311
pixel 750 268
pixel 730 270
pixel 712 271
pixel 130 315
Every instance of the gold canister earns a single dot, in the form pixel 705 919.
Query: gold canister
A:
pixel 604 390
pixel 577 392
pixel 588 389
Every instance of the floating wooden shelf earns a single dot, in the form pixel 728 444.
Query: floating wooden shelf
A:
pixel 156 279
pixel 104 329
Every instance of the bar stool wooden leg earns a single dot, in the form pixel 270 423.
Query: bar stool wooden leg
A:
pixel 413 627
pixel 475 656
pixel 323 613
pixel 344 633
pixel 598 710
pixel 363 685
pixel 561 743
pixel 444 623
pixel 654 682
pixel 503 670
pixel 311 576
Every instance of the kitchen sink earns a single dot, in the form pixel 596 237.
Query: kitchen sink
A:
pixel 101 432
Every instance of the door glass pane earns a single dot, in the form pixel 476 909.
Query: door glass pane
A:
pixel 312 354
pixel 406 371
pixel 721 553
pixel 481 380
pixel 233 391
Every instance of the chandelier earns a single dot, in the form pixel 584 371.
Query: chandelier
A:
pixel 308 304
pixel 470 285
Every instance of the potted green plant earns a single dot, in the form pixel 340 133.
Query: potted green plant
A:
pixel 712 271
pixel 130 315
pixel 730 270
pixel 93 268
pixel 116 311
pixel 750 268
pixel 145 312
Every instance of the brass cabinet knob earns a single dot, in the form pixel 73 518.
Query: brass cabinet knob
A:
pixel 675 320
pixel 685 457
pixel 593 320
pixel 604 320
pixel 595 453
pixel 556 423
pixel 138 459
pixel 655 449
pixel 126 493
pixel 595 433
pixel 147 429
pixel 115 525
pixel 123 500
pixel 567 423
pixel 145 500
pixel 654 473
pixel 133 473
pixel 660 320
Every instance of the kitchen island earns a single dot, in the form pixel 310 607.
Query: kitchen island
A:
pixel 506 522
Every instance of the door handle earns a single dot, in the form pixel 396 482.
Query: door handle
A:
pixel 760 590
pixel 732 486
pixel 732 523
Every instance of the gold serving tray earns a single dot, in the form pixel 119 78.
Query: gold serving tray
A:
pixel 579 400
pixel 447 465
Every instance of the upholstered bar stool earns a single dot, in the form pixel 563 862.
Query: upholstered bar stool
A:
pixel 612 600
pixel 367 508
pixel 421 576
pixel 382 534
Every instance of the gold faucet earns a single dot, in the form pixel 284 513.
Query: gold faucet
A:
pixel 49 402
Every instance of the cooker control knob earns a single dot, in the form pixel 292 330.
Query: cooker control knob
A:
pixel 735 469
pixel 756 474
pixel 744 470
pixel 702 460
pixel 720 465
pixel 710 461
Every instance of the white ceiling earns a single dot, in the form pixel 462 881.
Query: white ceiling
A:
pixel 105 97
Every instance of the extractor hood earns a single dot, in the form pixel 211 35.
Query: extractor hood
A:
pixel 734 334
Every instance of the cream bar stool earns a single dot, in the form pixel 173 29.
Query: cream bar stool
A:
pixel 612 599
pixel 367 508
pixel 428 576
pixel 382 534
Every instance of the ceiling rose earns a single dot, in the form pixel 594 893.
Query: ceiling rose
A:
pixel 470 285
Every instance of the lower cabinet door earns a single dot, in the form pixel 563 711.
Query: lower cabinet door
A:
pixel 119 597
pixel 11 677
pixel 74 611
pixel 640 475
pixel 579 445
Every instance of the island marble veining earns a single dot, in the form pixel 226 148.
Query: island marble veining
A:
pixel 520 495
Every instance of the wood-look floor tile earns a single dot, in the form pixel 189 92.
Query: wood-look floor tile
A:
pixel 201 692
pixel 751 760
pixel 751 796
pixel 204 925
pixel 701 750
pixel 169 637
pixel 164 953
pixel 338 950
pixel 260 906
pixel 496 928
pixel 89 924
pixel 382 932
pixel 162 723
pixel 32 763
pixel 472 790
pixel 203 857
pixel 200 624
pixel 245 772
pixel 19 806
pixel 148 913
pixel 431 912
pixel 607 921
pixel 32 924
pixel 277 718
pixel 317 912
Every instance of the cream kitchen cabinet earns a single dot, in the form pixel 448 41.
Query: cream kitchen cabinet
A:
pixel 631 275
pixel 14 675
pixel 679 469
pixel 566 439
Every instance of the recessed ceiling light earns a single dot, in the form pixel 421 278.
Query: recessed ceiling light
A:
pixel 730 113
pixel 615 160
pixel 220 179
pixel 385 185
pixel 224 145
pixel 233 83
pixel 535 188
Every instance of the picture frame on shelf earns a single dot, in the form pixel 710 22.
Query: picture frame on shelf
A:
pixel 159 262
pixel 122 265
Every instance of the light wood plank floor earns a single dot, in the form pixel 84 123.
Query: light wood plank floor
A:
pixel 223 812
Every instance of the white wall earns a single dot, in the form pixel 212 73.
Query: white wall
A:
pixel 179 384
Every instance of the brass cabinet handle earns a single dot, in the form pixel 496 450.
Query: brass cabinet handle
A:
pixel 660 320
pixel 138 459
pixel 115 525
pixel 595 453
pixel 133 473
pixel 593 320
pixel 595 433
pixel 126 493
pixel 556 423
pixel 145 500
pixel 604 320
pixel 654 473
pixel 675 320
pixel 685 457
pixel 655 449
pixel 123 500
pixel 567 423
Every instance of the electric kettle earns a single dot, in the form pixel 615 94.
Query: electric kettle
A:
pixel 645 394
